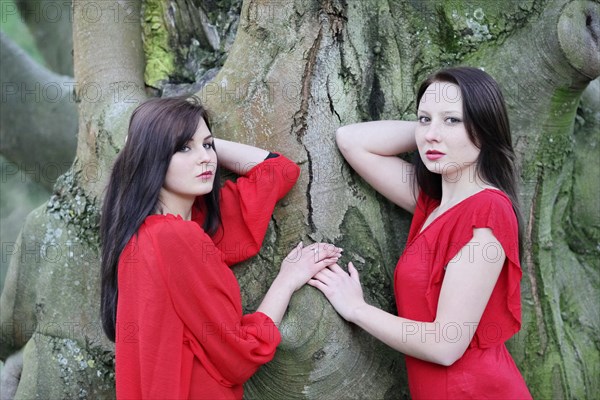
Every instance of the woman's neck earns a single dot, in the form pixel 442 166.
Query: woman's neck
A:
pixel 175 205
pixel 456 190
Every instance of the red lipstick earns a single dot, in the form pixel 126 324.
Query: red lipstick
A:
pixel 205 175
pixel 433 155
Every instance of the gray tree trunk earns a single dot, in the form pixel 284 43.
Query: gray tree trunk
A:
pixel 51 25
pixel 38 117
pixel 296 71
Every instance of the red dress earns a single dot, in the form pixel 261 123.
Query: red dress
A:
pixel 486 370
pixel 180 329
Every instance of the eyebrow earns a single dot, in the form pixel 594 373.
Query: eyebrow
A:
pixel 446 112
pixel 207 137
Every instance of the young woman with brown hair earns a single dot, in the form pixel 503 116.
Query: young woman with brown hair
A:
pixel 457 282
pixel 169 235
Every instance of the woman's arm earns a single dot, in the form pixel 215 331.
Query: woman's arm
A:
pixel 298 267
pixel 238 157
pixel 371 148
pixel 468 284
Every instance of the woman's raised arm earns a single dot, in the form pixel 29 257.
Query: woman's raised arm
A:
pixel 238 157
pixel 371 149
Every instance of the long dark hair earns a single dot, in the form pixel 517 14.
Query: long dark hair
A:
pixel 486 122
pixel 157 128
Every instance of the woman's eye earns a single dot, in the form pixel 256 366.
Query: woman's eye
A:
pixel 423 120
pixel 453 120
pixel 184 149
pixel 208 146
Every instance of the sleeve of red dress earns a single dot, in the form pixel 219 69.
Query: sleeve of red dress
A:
pixel 231 346
pixel 502 317
pixel 247 206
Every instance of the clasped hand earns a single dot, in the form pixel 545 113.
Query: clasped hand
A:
pixel 316 265
pixel 343 290
pixel 302 263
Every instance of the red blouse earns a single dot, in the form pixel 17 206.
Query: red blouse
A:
pixel 180 329
pixel 486 370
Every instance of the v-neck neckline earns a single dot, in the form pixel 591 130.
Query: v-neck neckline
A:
pixel 424 229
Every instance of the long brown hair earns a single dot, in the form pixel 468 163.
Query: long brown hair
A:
pixel 157 129
pixel 486 122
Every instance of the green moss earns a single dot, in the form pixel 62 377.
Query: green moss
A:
pixel 557 142
pixel 160 63
pixel 462 27
pixel 565 331
pixel 582 223
pixel 476 21
pixel 446 34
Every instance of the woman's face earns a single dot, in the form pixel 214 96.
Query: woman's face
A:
pixel 441 135
pixel 192 169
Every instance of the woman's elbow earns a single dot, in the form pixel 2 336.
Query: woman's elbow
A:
pixel 449 355
pixel 341 138
pixel 447 361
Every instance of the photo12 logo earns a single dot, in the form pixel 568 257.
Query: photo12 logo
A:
pixel 51 252
pixel 69 91
pixel 62 11
pixel 46 172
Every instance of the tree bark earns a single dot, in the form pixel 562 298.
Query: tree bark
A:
pixel 296 71
pixel 543 99
pixel 50 301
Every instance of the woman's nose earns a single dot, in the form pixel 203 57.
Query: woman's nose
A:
pixel 203 156
pixel 433 132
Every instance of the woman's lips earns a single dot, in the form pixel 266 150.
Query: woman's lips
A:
pixel 433 155
pixel 205 175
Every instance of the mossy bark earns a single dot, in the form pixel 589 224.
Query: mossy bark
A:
pixel 51 295
pixel 350 62
pixel 296 71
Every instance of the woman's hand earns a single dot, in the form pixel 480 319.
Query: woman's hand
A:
pixel 298 267
pixel 343 290
pixel 302 263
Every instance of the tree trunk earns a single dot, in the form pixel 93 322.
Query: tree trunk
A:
pixel 296 71
pixel 51 24
pixel 50 300
pixel 38 117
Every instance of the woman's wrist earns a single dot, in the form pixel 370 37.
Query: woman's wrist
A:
pixel 276 300
pixel 283 286
pixel 358 312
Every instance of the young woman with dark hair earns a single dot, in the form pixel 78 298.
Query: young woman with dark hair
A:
pixel 457 284
pixel 169 234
